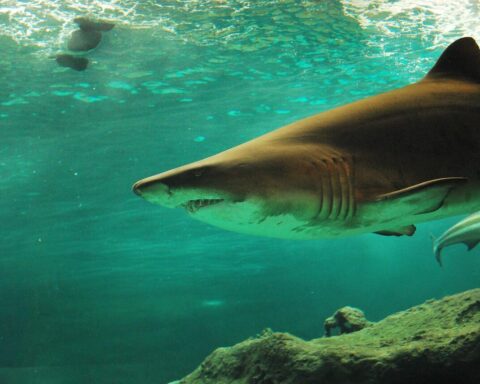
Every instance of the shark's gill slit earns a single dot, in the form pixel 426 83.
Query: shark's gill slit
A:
pixel 351 193
pixel 326 193
pixel 342 196
pixel 318 168
pixel 344 206
pixel 336 190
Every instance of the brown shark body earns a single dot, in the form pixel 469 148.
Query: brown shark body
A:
pixel 379 165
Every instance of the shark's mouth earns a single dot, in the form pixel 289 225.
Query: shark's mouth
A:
pixel 193 206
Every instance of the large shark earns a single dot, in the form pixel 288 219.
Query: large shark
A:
pixel 378 165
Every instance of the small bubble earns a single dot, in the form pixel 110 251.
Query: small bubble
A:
pixel 167 91
pixel 234 113
pixel 318 102
pixel 153 84
pixel 303 64
pixel 212 303
pixel 262 108
pixel 32 94
pixel 199 139
pixel 15 101
pixel 120 85
pixel 299 100
pixel 61 93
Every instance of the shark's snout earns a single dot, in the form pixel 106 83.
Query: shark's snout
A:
pixel 153 189
pixel 144 185
pixel 182 187
pixel 137 188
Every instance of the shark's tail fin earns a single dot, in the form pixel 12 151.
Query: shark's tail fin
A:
pixel 437 250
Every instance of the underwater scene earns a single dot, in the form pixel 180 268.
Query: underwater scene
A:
pixel 110 274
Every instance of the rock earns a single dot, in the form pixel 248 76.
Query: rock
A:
pixel 347 320
pixel 436 342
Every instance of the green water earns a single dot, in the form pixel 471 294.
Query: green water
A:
pixel 97 285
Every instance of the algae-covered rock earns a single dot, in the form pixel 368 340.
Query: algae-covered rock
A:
pixel 347 320
pixel 436 342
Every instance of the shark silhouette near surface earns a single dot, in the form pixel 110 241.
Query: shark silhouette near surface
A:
pixel 86 38
pixel 381 164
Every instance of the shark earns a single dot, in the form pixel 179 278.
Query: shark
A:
pixel 89 34
pixel 467 231
pixel 378 165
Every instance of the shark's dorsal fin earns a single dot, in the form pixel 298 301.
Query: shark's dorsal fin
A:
pixel 460 60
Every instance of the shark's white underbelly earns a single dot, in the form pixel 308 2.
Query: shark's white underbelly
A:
pixel 368 217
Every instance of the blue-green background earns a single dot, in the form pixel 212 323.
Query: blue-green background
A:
pixel 97 285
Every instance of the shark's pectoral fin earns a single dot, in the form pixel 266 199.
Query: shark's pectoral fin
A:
pixel 407 230
pixel 418 199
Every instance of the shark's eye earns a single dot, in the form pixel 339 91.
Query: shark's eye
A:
pixel 198 172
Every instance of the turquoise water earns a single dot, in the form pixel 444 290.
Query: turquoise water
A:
pixel 97 285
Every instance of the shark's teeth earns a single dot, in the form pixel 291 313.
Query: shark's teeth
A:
pixel 194 205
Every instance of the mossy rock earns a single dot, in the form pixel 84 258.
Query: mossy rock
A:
pixel 436 342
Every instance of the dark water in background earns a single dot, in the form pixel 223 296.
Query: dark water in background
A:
pixel 99 286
